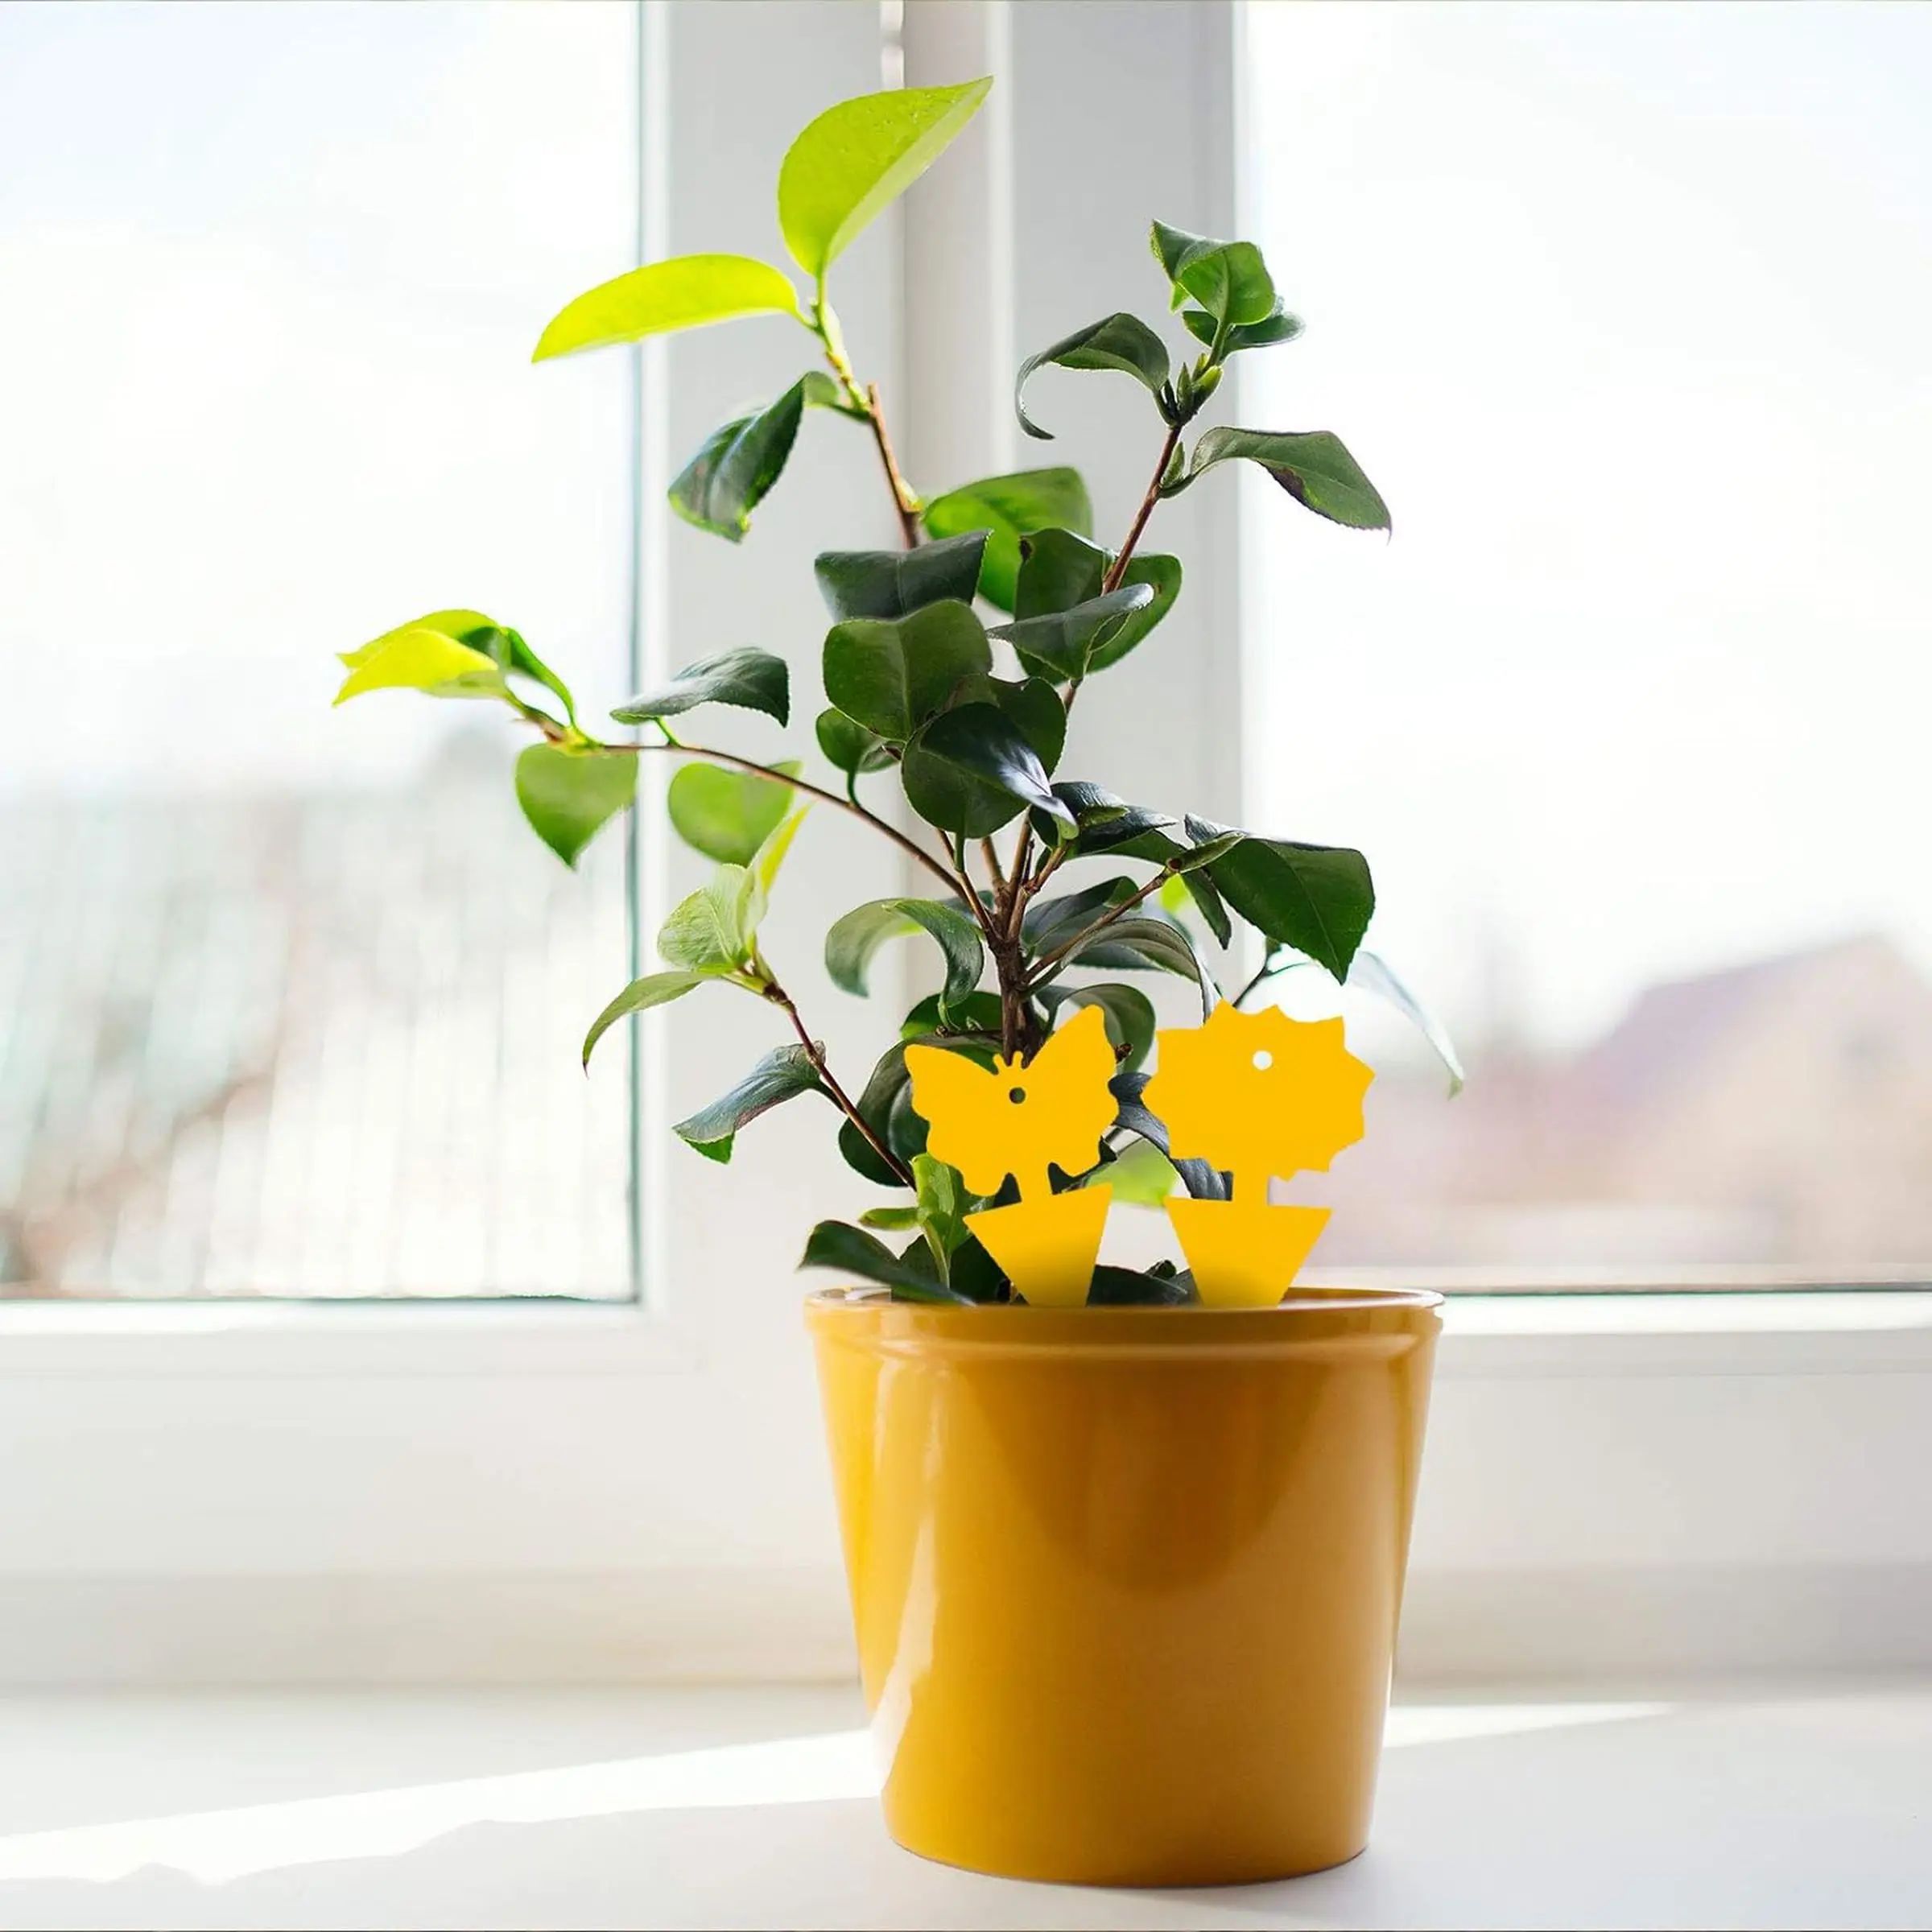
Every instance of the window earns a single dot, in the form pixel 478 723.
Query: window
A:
pixel 289 1000
pixel 1626 310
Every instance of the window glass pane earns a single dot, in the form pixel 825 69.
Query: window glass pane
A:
pixel 1626 310
pixel 290 999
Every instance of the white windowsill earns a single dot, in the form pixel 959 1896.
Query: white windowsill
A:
pixel 1786 1806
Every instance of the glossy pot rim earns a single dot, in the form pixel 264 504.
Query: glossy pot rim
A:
pixel 1320 1318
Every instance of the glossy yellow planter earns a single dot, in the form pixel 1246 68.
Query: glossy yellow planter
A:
pixel 1125 1580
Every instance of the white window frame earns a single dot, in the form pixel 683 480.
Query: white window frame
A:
pixel 273 1492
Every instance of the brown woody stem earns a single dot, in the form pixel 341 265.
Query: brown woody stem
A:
pixel 1118 569
pixel 840 1098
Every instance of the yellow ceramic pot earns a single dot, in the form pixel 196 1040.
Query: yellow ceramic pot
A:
pixel 1125 1580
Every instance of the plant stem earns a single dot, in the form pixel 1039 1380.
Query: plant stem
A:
pixel 1118 569
pixel 1266 971
pixel 903 499
pixel 1043 968
pixel 817 791
pixel 841 1099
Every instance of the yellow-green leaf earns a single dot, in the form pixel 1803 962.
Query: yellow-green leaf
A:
pixel 685 292
pixel 415 658
pixel 858 158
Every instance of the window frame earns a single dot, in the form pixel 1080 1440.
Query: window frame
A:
pixel 450 1491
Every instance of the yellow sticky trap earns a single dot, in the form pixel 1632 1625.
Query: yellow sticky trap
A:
pixel 1265 1096
pixel 1017 1120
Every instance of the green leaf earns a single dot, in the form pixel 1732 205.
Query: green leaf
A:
pixel 1205 1182
pixel 856 158
pixel 1128 1013
pixel 978 1013
pixel 1120 341
pixel 568 794
pixel 850 1250
pixel 653 989
pixel 725 814
pixel 1278 326
pixel 886 1105
pixel 1010 507
pixel 710 931
pixel 1316 898
pixel 497 641
pixel 685 292
pixel 852 942
pixel 1065 644
pixel 1133 1288
pixel 417 658
pixel 890 674
pixel 770 854
pixel 782 1075
pixel 1228 280
pixel 971 770
pixel 1153 944
pixel 730 476
pixel 751 678
pixel 849 745
pixel 1059 570
pixel 1312 466
pixel 1140 1177
pixel 895 583
pixel 942 1198
pixel 893 1219
pixel 1049 924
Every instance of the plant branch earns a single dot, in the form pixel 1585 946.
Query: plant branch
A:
pixel 804 785
pixel 1043 968
pixel 1267 970
pixel 1118 569
pixel 840 1098
pixel 903 499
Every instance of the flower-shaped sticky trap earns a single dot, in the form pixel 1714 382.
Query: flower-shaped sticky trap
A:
pixel 1019 1120
pixel 1264 1096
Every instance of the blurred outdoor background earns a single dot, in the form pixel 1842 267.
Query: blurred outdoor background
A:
pixel 1626 310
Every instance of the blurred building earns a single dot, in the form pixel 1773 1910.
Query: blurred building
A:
pixel 1778 1114
pixel 308 1045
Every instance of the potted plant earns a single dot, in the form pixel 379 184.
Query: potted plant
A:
pixel 1125 1547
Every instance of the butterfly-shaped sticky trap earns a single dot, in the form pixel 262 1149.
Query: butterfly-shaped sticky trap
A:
pixel 1263 1096
pixel 1019 1119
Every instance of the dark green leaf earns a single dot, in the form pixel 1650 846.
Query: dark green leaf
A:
pixel 1312 466
pixel 1207 841
pixel 858 157
pixel 782 1075
pixel 893 583
pixel 1066 644
pixel 1205 1182
pixel 851 1250
pixel 1228 280
pixel 1059 570
pixel 751 678
pixel 1121 342
pixel 653 989
pixel 1127 1012
pixel 885 1104
pixel 1049 924
pixel 1009 507
pixel 1137 833
pixel 727 815
pixel 567 794
pixel 852 942
pixel 1201 889
pixel 729 477
pixel 1161 575
pixel 1129 1288
pixel 890 674
pixel 1316 898
pixel 1278 327
pixel 849 747
pixel 1156 944
pixel 513 654
pixel 971 770
pixel 978 1015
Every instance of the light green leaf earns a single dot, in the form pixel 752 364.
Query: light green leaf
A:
pixel 751 679
pixel 941 1209
pixel 731 474
pixel 568 794
pixel 417 658
pixel 1312 465
pixel 683 293
pixel 725 814
pixel 856 158
pixel 1141 1177
pixel 770 855
pixel 893 1219
pixel 783 1073
pixel 1011 507
pixel 653 989
pixel 710 931
pixel 1120 341
pixel 852 942
pixel 891 674
pixel 893 583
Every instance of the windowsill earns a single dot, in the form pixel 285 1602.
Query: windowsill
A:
pixel 753 1806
